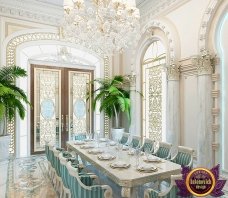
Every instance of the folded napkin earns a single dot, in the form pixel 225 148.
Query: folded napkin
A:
pixel 125 148
pixel 152 159
pixel 106 156
pixel 96 151
pixel 87 146
pixel 78 142
pixel 88 140
pixel 112 143
pixel 120 164
pixel 103 139
pixel 146 168
pixel 132 152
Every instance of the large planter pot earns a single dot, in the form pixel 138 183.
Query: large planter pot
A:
pixel 117 133
pixel 4 147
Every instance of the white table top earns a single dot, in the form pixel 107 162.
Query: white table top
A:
pixel 128 177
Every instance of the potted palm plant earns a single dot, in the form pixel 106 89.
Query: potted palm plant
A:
pixel 11 101
pixel 114 98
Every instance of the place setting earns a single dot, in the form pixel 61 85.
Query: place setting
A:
pixel 152 159
pixel 106 156
pixel 120 165
pixel 79 142
pixel 96 151
pixel 87 146
pixel 146 168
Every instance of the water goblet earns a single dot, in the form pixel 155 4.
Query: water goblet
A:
pixel 147 153
pixel 137 155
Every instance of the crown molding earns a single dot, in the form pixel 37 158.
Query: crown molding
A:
pixel 32 10
pixel 152 9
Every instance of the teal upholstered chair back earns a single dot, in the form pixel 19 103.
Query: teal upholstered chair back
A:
pixel 148 144
pixel 135 141
pixel 47 152
pixel 57 161
pixel 184 156
pixel 81 186
pixel 80 136
pixel 51 156
pixel 170 192
pixel 124 138
pixel 163 150
pixel 63 171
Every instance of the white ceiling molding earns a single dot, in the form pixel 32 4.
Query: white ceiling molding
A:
pixel 151 9
pixel 167 31
pixel 32 10
pixel 206 24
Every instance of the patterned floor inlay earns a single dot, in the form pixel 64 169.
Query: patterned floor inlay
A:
pixel 26 178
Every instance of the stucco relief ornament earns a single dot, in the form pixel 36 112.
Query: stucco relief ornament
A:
pixel 205 63
pixel 173 72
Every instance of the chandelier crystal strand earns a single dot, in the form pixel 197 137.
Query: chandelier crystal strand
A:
pixel 105 26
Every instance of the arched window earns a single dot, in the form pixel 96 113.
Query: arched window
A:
pixel 154 91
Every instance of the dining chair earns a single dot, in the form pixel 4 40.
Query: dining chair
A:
pixel 148 144
pixel 170 192
pixel 80 136
pixel 163 150
pixel 135 142
pixel 65 177
pixel 57 180
pixel 124 138
pixel 184 156
pixel 82 186
pixel 50 157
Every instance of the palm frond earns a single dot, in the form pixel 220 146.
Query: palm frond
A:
pixel 2 110
pixel 8 74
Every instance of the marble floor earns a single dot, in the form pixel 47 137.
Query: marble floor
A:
pixel 28 178
pixel 25 178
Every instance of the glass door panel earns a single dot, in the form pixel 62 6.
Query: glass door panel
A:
pixel 79 118
pixel 47 111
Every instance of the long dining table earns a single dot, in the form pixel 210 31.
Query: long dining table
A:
pixel 126 178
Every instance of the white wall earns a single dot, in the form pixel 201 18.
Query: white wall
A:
pixel 187 20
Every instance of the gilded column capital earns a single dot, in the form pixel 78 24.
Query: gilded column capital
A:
pixel 173 72
pixel 132 79
pixel 204 64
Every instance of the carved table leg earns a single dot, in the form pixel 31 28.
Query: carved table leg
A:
pixel 126 192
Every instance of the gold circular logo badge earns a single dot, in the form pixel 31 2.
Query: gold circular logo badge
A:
pixel 200 182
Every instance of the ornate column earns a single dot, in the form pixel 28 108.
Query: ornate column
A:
pixel 204 115
pixel 132 80
pixel 173 105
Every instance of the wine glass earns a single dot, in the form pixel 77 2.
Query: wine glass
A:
pixel 137 155
pixel 147 153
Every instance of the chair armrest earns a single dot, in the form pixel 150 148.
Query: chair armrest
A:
pixel 150 193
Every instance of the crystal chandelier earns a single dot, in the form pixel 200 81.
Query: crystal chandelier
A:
pixel 104 26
